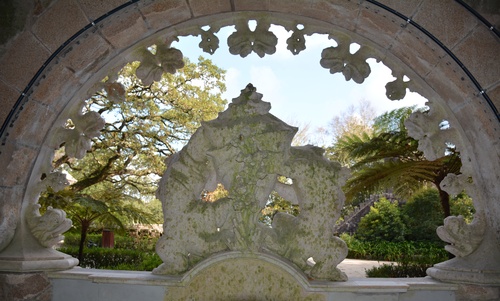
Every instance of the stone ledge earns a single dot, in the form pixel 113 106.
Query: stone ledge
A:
pixel 361 285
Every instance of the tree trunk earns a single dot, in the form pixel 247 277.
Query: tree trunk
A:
pixel 445 202
pixel 83 237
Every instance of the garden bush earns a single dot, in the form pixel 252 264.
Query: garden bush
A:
pixel 116 259
pixel 398 270
pixel 383 223
pixel 423 213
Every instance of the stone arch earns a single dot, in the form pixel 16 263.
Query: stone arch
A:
pixel 96 37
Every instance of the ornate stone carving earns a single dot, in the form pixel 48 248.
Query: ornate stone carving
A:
pixel 77 136
pixel 463 238
pixel 166 59
pixel 339 59
pixel 262 41
pixel 396 89
pixel 209 41
pixel 246 149
pixel 432 139
pixel 296 42
pixel 47 228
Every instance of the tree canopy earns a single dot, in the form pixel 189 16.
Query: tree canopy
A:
pixel 118 176
pixel 388 158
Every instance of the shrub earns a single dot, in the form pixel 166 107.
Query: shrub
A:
pixel 383 222
pixel 398 270
pixel 422 215
pixel 403 252
pixel 462 205
pixel 116 259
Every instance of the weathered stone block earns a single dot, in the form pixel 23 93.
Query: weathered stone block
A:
pixel 31 131
pixel 59 23
pixel 94 9
pixel 407 7
pixel 450 29
pixel 161 14
pixel 470 292
pixel 86 53
pixel 416 50
pixel 451 83
pixel 256 5
pixel 8 98
pixel 23 59
pixel 124 28
pixel 480 44
pixel 202 7
pixel 376 22
pixel 341 13
pixel 22 287
pixel 494 94
pixel 52 86
pixel 15 158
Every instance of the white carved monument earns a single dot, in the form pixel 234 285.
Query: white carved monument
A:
pixel 247 149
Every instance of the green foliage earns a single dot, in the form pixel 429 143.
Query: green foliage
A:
pixel 405 251
pixel 276 204
pixel 383 222
pixel 388 158
pixel 398 270
pixel 116 180
pixel 423 214
pixel 462 205
pixel 125 241
pixel 410 259
pixel 116 259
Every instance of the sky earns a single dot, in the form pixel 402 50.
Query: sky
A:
pixel 299 89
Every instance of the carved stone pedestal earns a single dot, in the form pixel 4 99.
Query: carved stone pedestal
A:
pixel 24 287
pixel 472 292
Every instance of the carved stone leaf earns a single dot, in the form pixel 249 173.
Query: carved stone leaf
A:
pixel 152 66
pixel 56 180
pixel 170 59
pixel 115 92
pixel 89 124
pixel 149 71
pixel 240 41
pixel 396 89
pixel 357 70
pixel 265 41
pixel 244 41
pixel 76 144
pixel 339 59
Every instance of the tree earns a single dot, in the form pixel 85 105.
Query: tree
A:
pixel 383 222
pixel 121 171
pixel 389 158
pixel 423 214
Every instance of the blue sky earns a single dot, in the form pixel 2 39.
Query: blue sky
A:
pixel 298 88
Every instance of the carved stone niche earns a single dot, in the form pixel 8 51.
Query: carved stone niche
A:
pixel 247 150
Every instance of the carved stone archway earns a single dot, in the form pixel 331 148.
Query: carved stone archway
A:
pixel 64 47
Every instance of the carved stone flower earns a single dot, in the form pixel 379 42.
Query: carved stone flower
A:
pixel 296 42
pixel 209 42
